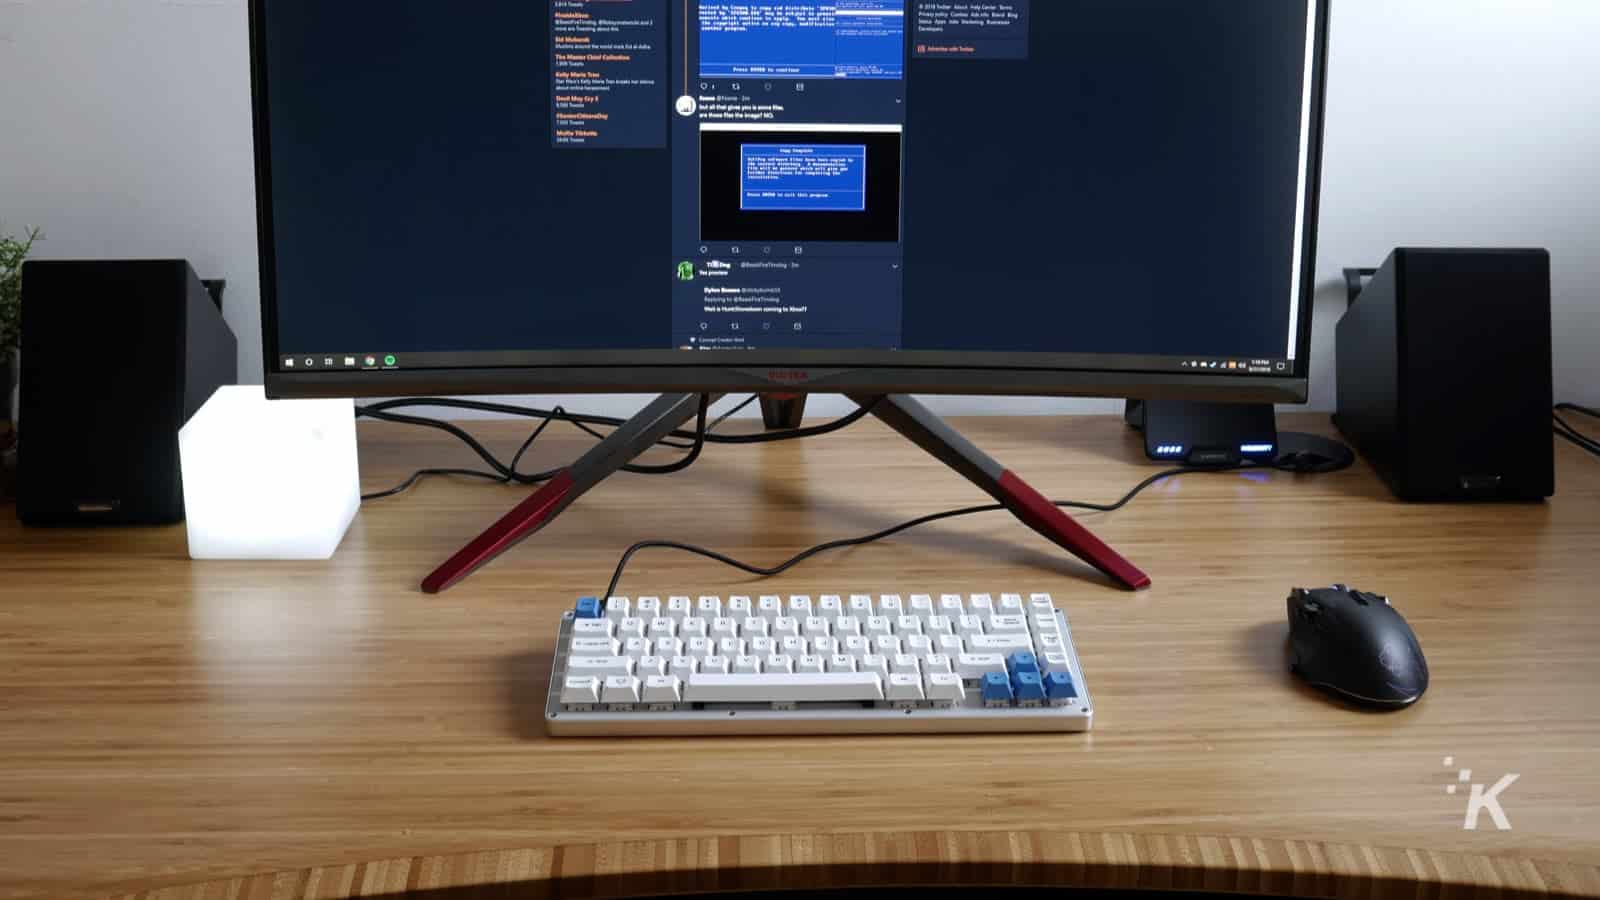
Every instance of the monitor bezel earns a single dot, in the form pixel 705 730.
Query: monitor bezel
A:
pixel 792 371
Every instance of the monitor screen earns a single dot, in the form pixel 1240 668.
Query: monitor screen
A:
pixel 1029 196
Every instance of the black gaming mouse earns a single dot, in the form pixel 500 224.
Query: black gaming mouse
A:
pixel 1355 645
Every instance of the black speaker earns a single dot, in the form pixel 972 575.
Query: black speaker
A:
pixel 116 356
pixel 1445 381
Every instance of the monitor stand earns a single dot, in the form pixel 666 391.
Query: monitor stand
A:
pixel 900 412
pixel 783 412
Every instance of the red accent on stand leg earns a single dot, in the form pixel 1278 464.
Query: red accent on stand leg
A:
pixel 1046 518
pixel 529 516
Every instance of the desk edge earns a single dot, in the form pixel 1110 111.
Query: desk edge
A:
pixel 1093 860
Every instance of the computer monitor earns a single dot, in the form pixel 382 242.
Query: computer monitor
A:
pixel 1052 197
pixel 869 197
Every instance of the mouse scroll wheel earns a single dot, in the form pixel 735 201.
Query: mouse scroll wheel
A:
pixel 1311 608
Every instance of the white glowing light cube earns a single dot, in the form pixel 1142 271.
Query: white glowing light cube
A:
pixel 268 479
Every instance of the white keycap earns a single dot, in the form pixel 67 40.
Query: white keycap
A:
pixel 969 625
pixel 921 606
pixel 903 687
pixel 708 607
pixel 647 608
pixel 636 647
pixel 730 647
pixel 815 627
pixel 938 624
pixel 846 625
pixel 1009 605
pixel 593 628
pixel 857 646
pixel 679 608
pixel 694 626
pixel 999 643
pixel 738 607
pixel 905 625
pixel 808 663
pixel 950 645
pixel 761 646
pixel 917 644
pixel 977 665
pixel 935 662
pixel 873 662
pixel 980 605
pixel 620 689
pixel 1008 625
pixel 878 626
pixel 697 647
pixel 1046 625
pixel 682 667
pixel 799 606
pixel 770 606
pixel 580 689
pixel 617 609
pixel 650 665
pixel 786 626
pixel 778 662
pixel 667 647
pixel 661 689
pixel 831 687
pixel 724 627
pixel 1052 644
pixel 754 626
pixel 600 666
pixel 824 646
pixel 951 605
pixel 794 646
pixel 901 663
pixel 943 687
pixel 742 664
pixel 888 645
pixel 633 626
pixel 715 664
pixel 594 646
pixel 1054 662
pixel 1041 604
pixel 890 606
pixel 861 606
pixel 830 605
pixel 841 663
pixel 661 626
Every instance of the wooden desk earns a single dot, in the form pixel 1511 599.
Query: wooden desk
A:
pixel 318 730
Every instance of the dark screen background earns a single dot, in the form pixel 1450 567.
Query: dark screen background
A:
pixel 1128 189
pixel 418 204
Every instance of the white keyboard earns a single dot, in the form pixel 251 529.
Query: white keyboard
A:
pixel 800 664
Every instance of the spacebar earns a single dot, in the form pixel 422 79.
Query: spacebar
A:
pixel 783 687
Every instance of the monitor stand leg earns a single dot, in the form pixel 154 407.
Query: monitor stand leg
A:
pixel 635 436
pixel 919 425
pixel 669 411
pixel 783 412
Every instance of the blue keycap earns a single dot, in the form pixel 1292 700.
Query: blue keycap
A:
pixel 588 608
pixel 1058 685
pixel 1028 686
pixel 996 688
pixel 1022 661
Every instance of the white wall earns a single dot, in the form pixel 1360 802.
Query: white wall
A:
pixel 125 132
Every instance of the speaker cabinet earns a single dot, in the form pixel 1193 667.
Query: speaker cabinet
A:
pixel 1445 382
pixel 116 356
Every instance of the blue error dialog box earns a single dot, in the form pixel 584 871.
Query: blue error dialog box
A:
pixel 803 177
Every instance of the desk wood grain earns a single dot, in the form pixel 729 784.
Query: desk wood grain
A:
pixel 176 729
